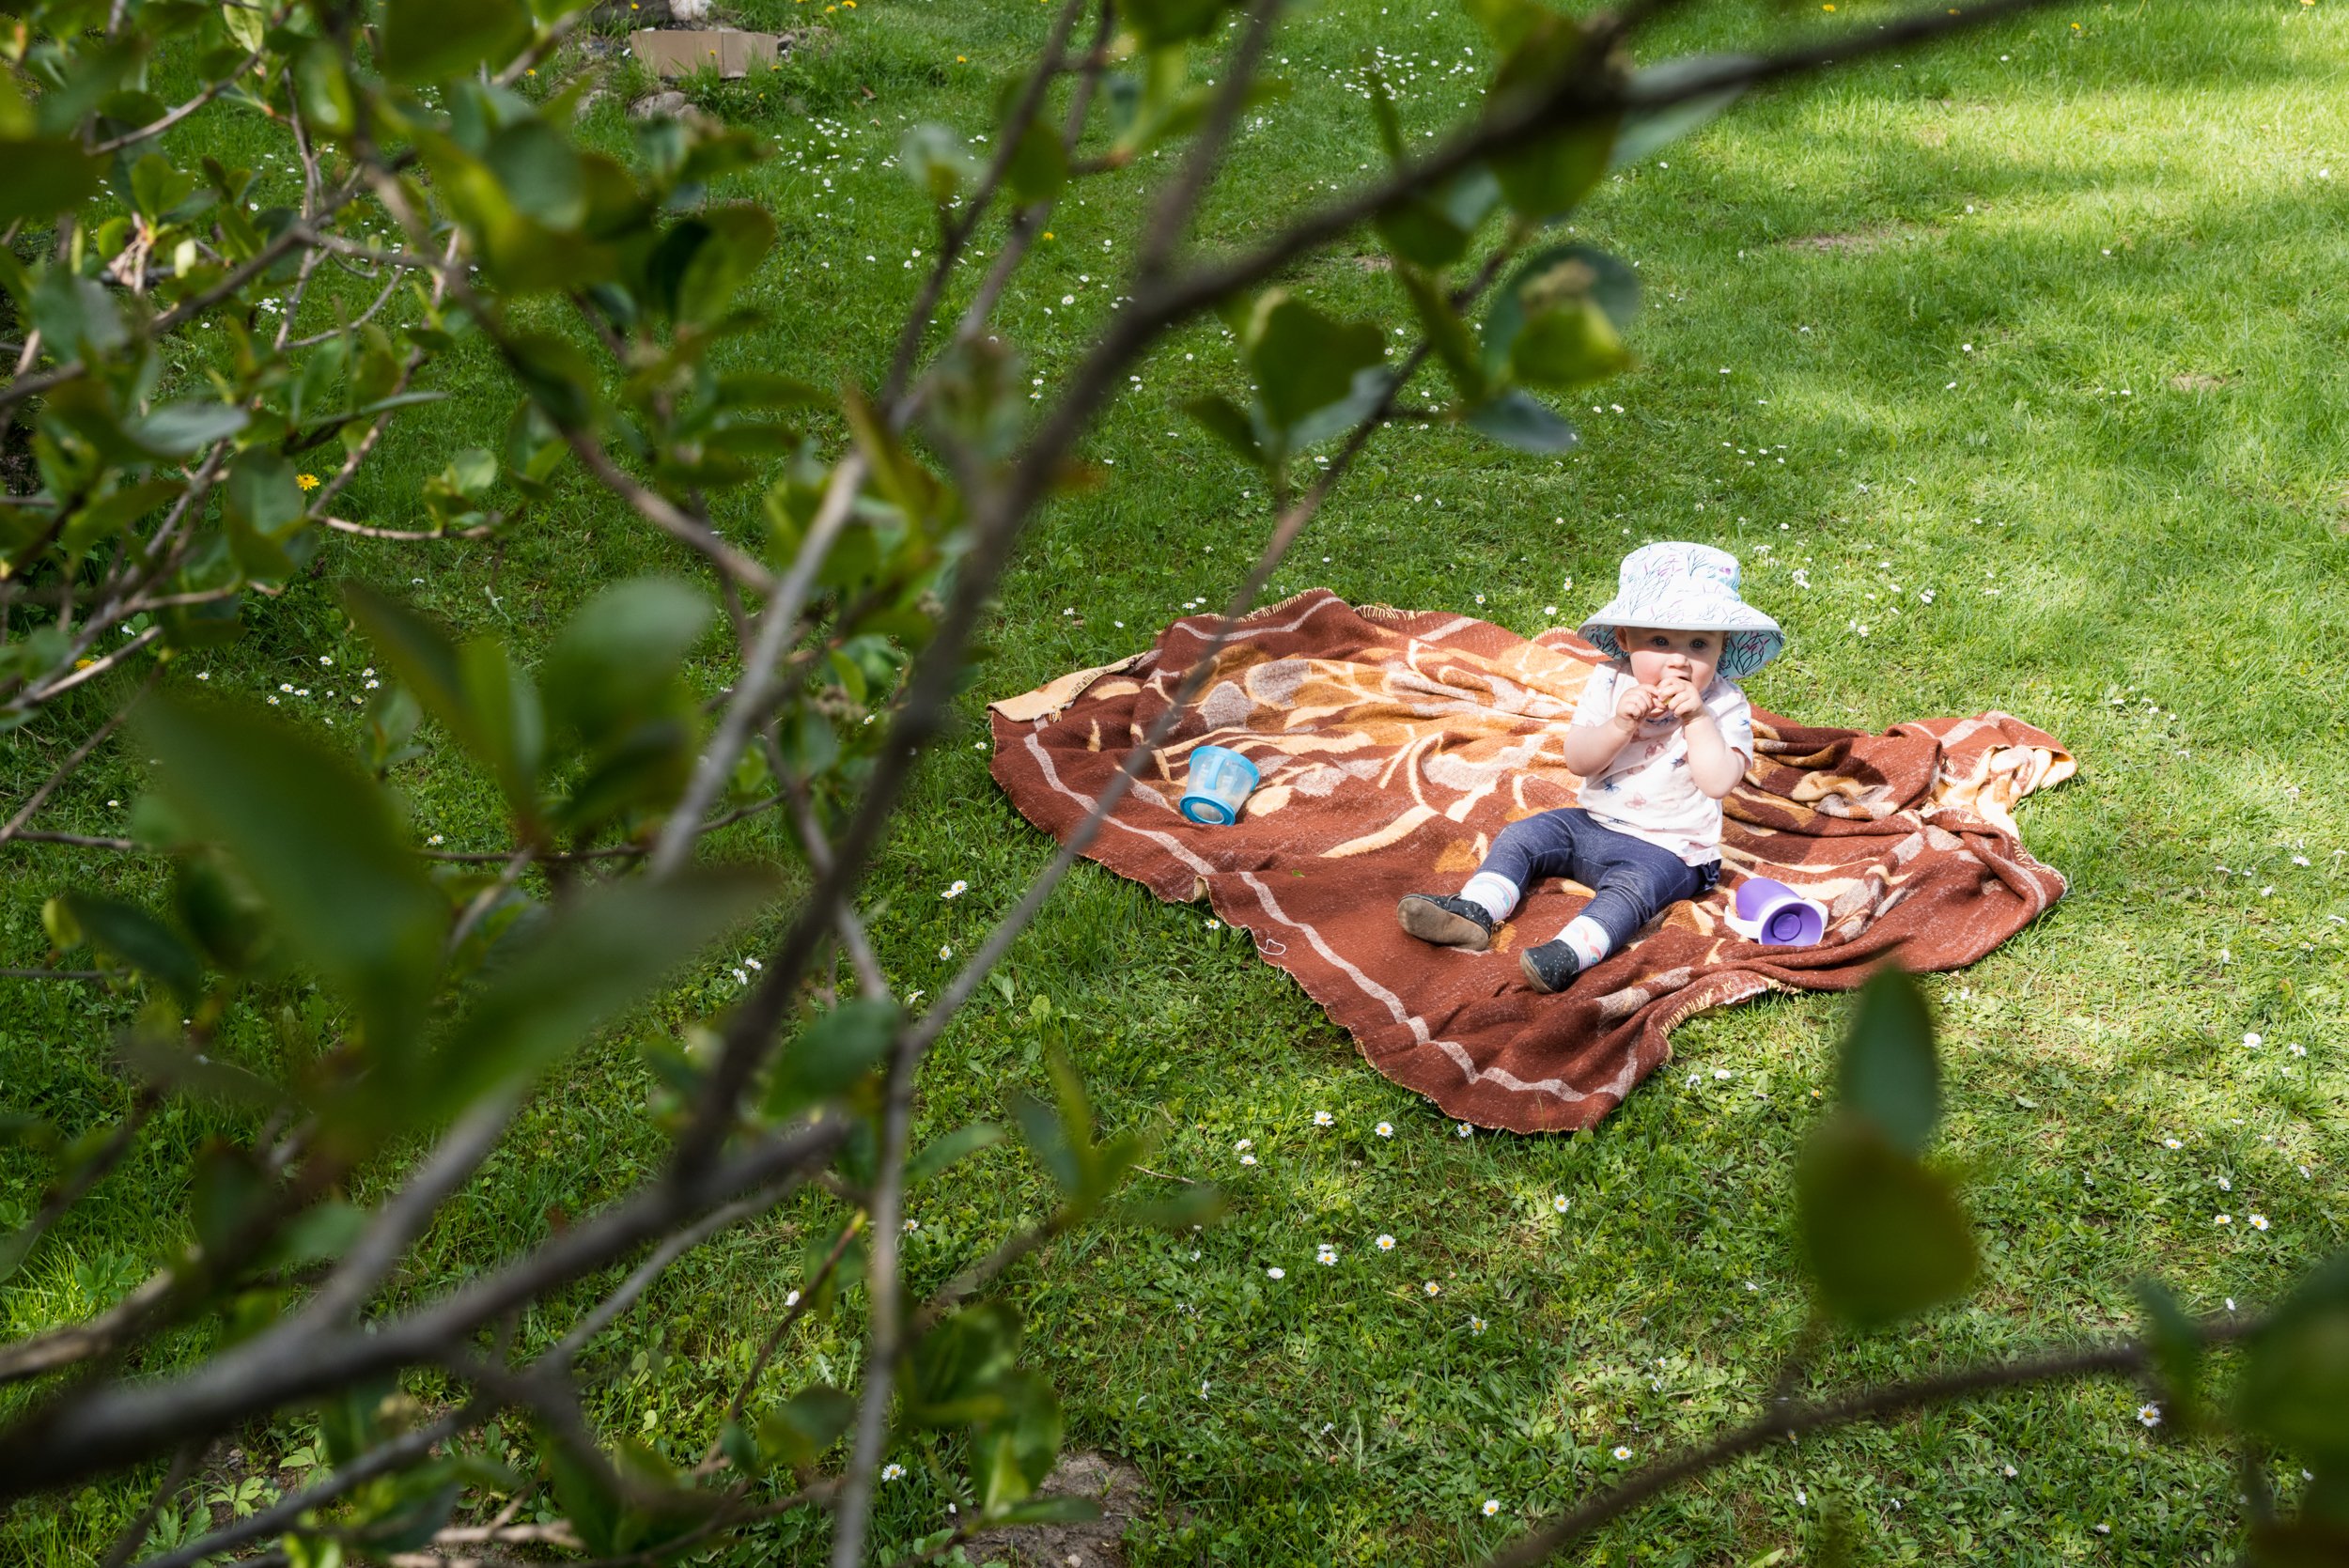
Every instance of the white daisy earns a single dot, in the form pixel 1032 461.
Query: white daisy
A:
pixel 1384 1129
pixel 2149 1415
pixel 1622 1451
pixel 1276 1272
pixel 1385 1244
pixel 1492 1506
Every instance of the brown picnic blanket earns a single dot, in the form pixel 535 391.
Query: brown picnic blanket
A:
pixel 1394 744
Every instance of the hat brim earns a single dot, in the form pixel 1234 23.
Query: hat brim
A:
pixel 1749 639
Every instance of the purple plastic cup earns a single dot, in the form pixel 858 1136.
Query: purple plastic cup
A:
pixel 1780 916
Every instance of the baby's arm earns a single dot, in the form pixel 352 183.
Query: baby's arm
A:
pixel 1715 767
pixel 1589 748
pixel 1711 763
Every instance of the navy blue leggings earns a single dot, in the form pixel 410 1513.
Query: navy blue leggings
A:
pixel 1631 880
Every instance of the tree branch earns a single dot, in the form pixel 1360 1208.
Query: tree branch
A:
pixel 66 1439
pixel 1868 1404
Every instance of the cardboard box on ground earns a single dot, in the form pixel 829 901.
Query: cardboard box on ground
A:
pixel 681 51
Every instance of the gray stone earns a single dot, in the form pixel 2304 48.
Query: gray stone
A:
pixel 653 105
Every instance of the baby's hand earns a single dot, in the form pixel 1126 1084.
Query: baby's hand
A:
pixel 1636 702
pixel 1678 698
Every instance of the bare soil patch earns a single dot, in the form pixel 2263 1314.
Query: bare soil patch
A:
pixel 1116 1487
pixel 1860 241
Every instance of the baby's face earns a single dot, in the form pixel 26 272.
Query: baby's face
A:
pixel 1657 654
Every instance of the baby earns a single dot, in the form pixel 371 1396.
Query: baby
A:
pixel 1659 736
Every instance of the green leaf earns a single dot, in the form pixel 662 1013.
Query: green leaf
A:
pixel 1158 22
pixel 1371 385
pixel 1574 301
pixel 1454 345
pixel 933 157
pixel 1050 1511
pixel 837 1049
pixel 1508 23
pixel 417 647
pixel 616 660
pixel 1434 230
pixel 76 313
pixel 107 516
pixel 503 704
pixel 1039 164
pixel 1304 361
pixel 1887 1073
pixel 1550 179
pixel 263 494
pixel 944 1152
pixel 1382 113
pixel 425 39
pixel 1229 424
pixel 801 1428
pixel 222 913
pixel 2175 1345
pixel 700 264
pixel 1884 1237
pixel 1040 1130
pixel 1012 1453
pixel 158 185
pixel 489 704
pixel 176 430
pixel 320 847
pixel 597 954
pixel 557 376
pixel 245 24
pixel 954 1374
pixel 231 1191
pixel 322 78
pixel 2296 1375
pixel 139 939
pixel 764 389
pixel 323 1232
pixel 1192 1206
pixel 1522 423
pixel 540 172
pixel 1645 131
pixel 591 1506
pixel 47 175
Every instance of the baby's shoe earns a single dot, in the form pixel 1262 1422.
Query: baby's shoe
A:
pixel 1550 966
pixel 1446 921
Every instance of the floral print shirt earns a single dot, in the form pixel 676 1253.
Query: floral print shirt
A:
pixel 1647 791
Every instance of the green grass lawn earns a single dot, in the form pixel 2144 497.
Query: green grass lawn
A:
pixel 2013 374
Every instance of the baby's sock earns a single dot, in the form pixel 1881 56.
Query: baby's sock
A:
pixel 1494 892
pixel 1588 938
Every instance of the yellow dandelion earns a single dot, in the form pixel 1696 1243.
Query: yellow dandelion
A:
pixel 307 481
pixel 962 59
pixel 1048 234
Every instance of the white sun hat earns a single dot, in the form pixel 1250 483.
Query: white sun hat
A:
pixel 1676 586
